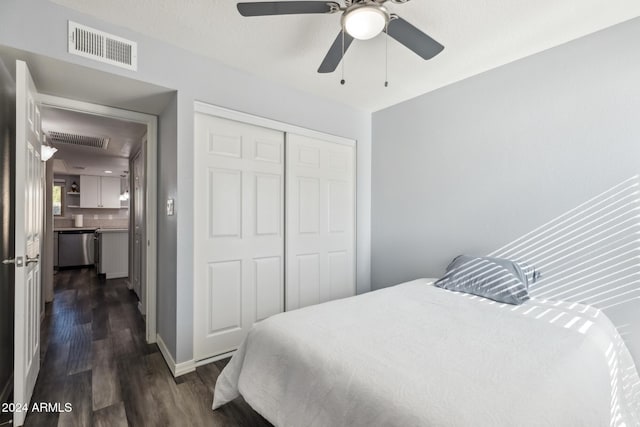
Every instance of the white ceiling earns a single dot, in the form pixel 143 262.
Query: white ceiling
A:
pixel 477 35
pixel 124 140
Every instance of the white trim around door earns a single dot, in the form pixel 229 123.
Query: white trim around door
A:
pixel 152 188
pixel 238 116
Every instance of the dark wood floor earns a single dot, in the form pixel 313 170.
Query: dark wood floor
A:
pixel 95 357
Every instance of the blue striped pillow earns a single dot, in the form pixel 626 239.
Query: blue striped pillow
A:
pixel 498 279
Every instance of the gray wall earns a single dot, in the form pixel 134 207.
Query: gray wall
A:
pixel 7 142
pixel 475 165
pixel 196 78
pixel 167 188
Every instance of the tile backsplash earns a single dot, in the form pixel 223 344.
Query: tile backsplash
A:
pixel 90 220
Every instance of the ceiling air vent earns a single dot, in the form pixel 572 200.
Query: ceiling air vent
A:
pixel 104 47
pixel 75 139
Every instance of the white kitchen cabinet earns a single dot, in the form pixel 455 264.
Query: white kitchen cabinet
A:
pixel 110 192
pixel 99 192
pixel 89 191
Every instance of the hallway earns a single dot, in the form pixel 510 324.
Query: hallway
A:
pixel 94 356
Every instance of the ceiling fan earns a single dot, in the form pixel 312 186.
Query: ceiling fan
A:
pixel 361 19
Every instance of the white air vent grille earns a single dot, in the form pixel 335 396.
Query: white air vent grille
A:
pixel 103 47
pixel 75 139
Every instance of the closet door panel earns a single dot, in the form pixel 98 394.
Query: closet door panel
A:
pixel 239 252
pixel 269 204
pixel 225 296
pixel 320 227
pixel 307 278
pixel 268 285
pixel 308 200
pixel 224 212
pixel 340 275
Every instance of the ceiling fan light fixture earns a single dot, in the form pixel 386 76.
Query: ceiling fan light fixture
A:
pixel 364 23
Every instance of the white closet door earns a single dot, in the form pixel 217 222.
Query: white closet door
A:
pixel 239 242
pixel 320 242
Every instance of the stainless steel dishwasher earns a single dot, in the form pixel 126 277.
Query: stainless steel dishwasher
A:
pixel 75 248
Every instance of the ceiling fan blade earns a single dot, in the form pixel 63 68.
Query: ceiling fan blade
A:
pixel 334 56
pixel 413 38
pixel 285 7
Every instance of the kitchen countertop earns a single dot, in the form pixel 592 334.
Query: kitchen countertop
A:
pixel 98 229
pixel 112 230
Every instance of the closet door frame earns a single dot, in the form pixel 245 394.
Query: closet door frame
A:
pixel 238 116
pixel 225 113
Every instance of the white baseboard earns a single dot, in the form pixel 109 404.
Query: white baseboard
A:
pixel 141 308
pixel 176 369
pixel 118 276
pixel 215 358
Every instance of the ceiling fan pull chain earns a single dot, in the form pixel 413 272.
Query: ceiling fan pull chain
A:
pixel 386 54
pixel 342 59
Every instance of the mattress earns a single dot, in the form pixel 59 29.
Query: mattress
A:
pixel 417 355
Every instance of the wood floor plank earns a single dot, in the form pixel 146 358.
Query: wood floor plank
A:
pixel 95 357
pixel 42 419
pixel 55 362
pixel 62 323
pixel 165 390
pixel 118 319
pixel 111 416
pixel 80 352
pixel 209 375
pixel 100 322
pixel 77 392
pixel 84 305
pixel 63 300
pixel 123 344
pixel 140 405
pixel 105 381
pixel 191 376
pixel 242 415
pixel 222 363
pixel 194 400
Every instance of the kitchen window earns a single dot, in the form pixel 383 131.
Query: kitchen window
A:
pixel 57 198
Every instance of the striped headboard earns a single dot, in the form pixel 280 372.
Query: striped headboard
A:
pixel 591 255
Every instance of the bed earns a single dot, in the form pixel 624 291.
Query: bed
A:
pixel 417 355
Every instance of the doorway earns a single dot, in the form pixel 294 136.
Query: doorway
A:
pixel 96 208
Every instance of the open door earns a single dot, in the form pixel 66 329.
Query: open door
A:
pixel 29 219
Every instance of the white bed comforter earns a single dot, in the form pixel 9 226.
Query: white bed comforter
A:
pixel 417 355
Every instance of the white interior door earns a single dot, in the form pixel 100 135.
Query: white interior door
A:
pixel 320 226
pixel 29 220
pixel 138 228
pixel 239 222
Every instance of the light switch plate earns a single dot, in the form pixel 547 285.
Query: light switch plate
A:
pixel 170 207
